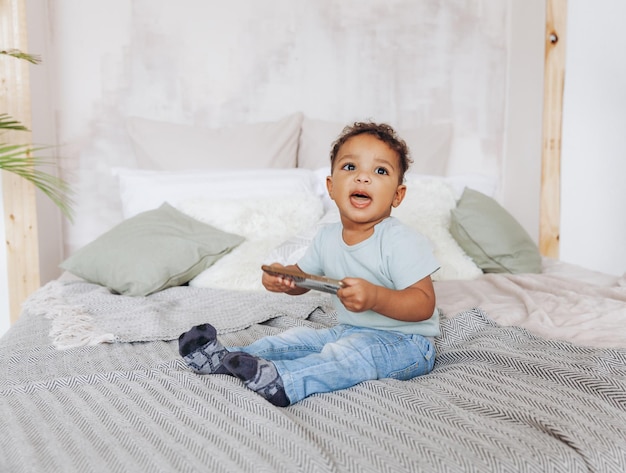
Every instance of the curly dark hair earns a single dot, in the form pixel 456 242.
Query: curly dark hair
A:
pixel 384 133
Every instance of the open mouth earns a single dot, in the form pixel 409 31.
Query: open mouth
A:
pixel 360 199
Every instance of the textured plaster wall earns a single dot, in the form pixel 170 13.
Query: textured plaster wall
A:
pixel 217 63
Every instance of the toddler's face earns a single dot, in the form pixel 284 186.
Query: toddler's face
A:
pixel 364 180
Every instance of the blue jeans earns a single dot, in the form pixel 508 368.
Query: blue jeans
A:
pixel 321 360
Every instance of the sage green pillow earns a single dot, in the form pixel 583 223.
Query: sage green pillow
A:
pixel 150 252
pixel 492 237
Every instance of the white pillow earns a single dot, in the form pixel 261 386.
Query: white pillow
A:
pixel 429 145
pixel 142 190
pixel 172 146
pixel 263 222
pixel 426 208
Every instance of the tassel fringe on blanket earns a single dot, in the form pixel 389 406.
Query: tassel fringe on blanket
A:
pixel 72 325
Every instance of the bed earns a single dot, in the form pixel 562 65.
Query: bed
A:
pixel 530 374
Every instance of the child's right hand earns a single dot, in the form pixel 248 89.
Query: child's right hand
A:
pixel 278 283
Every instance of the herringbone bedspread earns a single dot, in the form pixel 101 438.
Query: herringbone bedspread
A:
pixel 498 400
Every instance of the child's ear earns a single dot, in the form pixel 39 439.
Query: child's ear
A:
pixel 329 186
pixel 399 197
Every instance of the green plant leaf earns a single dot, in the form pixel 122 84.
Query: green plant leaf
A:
pixel 8 123
pixel 18 159
pixel 16 53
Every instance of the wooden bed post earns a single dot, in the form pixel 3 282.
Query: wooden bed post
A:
pixel 554 81
pixel 19 198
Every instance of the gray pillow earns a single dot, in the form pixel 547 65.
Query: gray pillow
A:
pixel 150 252
pixel 492 237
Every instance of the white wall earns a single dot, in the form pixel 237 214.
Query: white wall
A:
pixel 593 203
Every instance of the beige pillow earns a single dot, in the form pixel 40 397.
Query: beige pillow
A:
pixel 492 237
pixel 429 145
pixel 173 147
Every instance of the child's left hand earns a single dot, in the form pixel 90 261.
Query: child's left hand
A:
pixel 357 295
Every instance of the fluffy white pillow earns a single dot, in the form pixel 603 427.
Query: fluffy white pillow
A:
pixel 264 222
pixel 426 208
pixel 142 190
pixel 429 145
pixel 172 146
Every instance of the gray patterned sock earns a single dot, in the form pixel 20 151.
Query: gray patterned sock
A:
pixel 259 375
pixel 202 351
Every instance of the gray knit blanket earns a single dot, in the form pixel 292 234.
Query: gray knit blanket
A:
pixel 87 314
pixel 498 400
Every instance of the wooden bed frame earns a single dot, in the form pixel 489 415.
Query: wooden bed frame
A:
pixel 20 198
pixel 554 79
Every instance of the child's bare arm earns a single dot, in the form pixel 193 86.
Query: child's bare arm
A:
pixel 280 284
pixel 413 304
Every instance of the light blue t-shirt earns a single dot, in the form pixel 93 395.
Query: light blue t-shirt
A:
pixel 395 256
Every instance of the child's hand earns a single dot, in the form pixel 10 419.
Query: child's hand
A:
pixel 357 295
pixel 282 284
pixel 277 283
pixel 412 304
